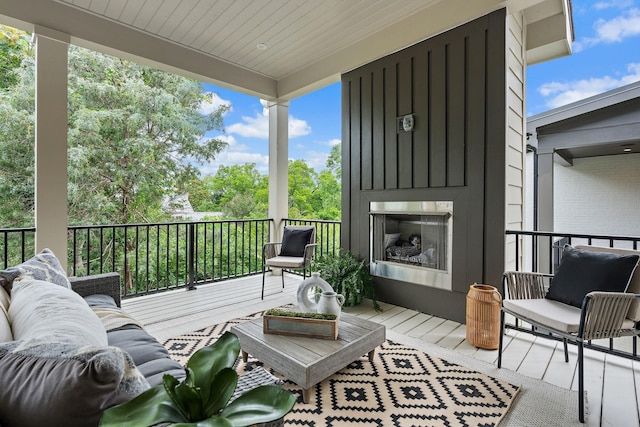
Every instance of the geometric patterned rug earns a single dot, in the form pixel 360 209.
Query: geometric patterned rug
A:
pixel 402 387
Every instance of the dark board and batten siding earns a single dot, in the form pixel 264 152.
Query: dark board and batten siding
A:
pixel 454 84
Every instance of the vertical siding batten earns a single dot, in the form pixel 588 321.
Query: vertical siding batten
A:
pixel 377 111
pixel 366 120
pixel 391 136
pixel 421 132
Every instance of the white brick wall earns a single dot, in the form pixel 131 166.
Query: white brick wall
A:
pixel 598 195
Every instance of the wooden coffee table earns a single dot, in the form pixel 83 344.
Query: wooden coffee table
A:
pixel 308 361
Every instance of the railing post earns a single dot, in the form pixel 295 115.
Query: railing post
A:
pixel 190 257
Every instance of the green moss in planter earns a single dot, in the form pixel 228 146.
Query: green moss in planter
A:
pixel 286 313
pixel 348 276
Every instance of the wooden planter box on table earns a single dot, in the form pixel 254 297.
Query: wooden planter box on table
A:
pixel 300 326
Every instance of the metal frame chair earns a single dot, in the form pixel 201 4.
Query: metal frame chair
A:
pixel 272 259
pixel 603 315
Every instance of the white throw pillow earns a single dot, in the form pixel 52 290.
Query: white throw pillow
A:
pixel 5 326
pixel 5 299
pixel 42 310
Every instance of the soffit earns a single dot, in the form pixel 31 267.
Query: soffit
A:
pixel 309 42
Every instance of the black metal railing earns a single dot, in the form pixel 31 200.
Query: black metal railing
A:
pixel 539 251
pixel 157 257
pixel 162 256
pixel 16 245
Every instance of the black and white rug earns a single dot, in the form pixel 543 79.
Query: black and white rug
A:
pixel 402 387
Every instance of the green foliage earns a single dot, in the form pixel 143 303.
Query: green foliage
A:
pixel 133 135
pixel 348 276
pixel 334 161
pixel 14 45
pixel 202 398
pixel 239 191
pixel 287 313
pixel 17 129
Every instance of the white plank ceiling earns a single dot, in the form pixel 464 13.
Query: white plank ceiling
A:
pixel 309 43
pixel 296 32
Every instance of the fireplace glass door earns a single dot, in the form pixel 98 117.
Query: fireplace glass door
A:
pixel 411 241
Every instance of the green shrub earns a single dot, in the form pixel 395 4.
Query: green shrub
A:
pixel 347 275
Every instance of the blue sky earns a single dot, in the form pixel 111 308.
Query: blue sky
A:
pixel 606 55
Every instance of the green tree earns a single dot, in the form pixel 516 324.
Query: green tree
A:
pixel 303 181
pixel 240 191
pixel 134 135
pixel 14 46
pixel 334 161
pixel 17 127
pixel 328 197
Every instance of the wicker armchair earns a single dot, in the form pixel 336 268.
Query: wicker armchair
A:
pixel 273 258
pixel 603 315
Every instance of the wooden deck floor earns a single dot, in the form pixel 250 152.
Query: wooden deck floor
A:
pixel 612 383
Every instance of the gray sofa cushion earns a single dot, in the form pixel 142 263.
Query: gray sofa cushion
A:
pixel 61 384
pixel 151 358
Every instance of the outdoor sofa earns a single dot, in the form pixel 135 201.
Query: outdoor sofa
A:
pixel 74 354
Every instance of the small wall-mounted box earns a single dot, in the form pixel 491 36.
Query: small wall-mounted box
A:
pixel 405 123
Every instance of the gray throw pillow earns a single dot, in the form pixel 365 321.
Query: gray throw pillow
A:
pixel 294 240
pixel 581 272
pixel 58 384
pixel 44 266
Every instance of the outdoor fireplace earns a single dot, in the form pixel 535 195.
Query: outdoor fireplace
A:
pixel 412 241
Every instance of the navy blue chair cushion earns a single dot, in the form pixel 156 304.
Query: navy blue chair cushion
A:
pixel 581 272
pixel 294 241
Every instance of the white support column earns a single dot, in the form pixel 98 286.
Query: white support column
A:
pixel 51 142
pixel 278 165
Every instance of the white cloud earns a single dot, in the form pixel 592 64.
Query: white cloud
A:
pixel 230 158
pixel 316 160
pixel 559 94
pixel 601 5
pixel 613 30
pixel 258 125
pixel 333 142
pixel 213 105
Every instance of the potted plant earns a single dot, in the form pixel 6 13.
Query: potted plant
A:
pixel 202 398
pixel 348 275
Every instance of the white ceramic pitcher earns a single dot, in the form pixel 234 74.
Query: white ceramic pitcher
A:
pixel 330 302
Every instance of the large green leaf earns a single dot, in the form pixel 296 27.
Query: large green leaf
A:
pixel 208 361
pixel 151 407
pixel 220 391
pixel 187 397
pixel 260 405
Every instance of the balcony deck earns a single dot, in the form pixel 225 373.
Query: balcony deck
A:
pixel 612 383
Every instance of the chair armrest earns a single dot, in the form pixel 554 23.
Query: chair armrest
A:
pixel 269 250
pixel 603 314
pixel 308 252
pixel 523 285
pixel 105 284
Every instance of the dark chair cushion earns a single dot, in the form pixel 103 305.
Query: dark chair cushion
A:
pixel 581 272
pixel 294 241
